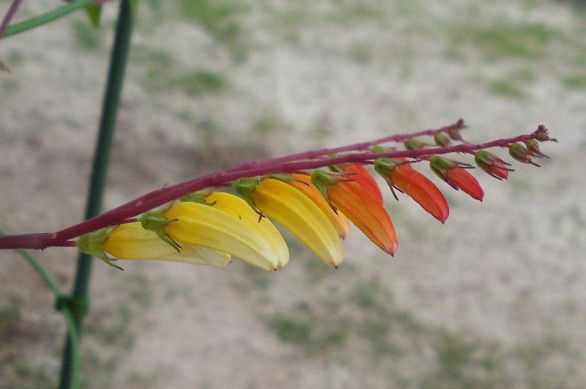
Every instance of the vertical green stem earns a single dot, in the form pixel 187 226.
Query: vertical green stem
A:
pixel 118 60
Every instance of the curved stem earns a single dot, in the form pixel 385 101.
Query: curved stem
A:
pixel 118 61
pixel 47 17
pixel 165 195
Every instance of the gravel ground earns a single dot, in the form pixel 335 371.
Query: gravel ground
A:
pixel 493 298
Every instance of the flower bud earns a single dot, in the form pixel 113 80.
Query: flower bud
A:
pixel 521 154
pixel 414 144
pixel 533 147
pixel 454 173
pixel 492 164
pixel 455 134
pixel 441 139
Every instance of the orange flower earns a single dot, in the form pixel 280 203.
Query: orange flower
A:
pixel 409 181
pixel 492 164
pixel 351 197
pixel 303 183
pixel 456 176
pixel 359 174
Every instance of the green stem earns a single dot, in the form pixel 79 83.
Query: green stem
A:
pixel 118 60
pixel 47 17
pixel 73 339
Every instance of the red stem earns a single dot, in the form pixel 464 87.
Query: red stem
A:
pixel 133 208
pixel 9 15
pixel 353 147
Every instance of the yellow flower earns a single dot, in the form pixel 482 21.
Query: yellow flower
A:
pixel 207 226
pixel 239 208
pixel 131 241
pixel 296 212
pixel 337 218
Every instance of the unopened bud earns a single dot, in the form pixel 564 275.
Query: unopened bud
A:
pixel 414 144
pixel 533 147
pixel 521 153
pixel 492 164
pixel 455 134
pixel 441 139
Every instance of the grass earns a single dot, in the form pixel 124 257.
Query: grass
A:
pixel 289 21
pixel 86 36
pixel 536 357
pixel 328 326
pixel 348 11
pixel 10 317
pixel 221 20
pixel 162 73
pixel 503 41
pixel 361 53
pixel 303 331
pixel 513 84
pixel 462 363
pixel 200 81
pixel 576 81
pixel 16 334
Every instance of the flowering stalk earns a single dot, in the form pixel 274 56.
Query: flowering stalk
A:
pixel 358 153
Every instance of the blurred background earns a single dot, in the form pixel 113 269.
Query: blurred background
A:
pixel 496 297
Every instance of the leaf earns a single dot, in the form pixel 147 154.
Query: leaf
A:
pixel 94 12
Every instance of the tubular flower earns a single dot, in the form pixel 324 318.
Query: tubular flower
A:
pixel 411 182
pixel 296 212
pixel 131 241
pixel 363 211
pixel 239 208
pixel 492 164
pixel 456 176
pixel 359 174
pixel 203 225
pixel 303 183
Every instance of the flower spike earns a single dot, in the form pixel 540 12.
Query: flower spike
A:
pixel 403 177
pixel 455 174
pixel 362 209
pixel 296 212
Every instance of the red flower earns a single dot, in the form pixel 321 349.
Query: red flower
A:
pixel 453 173
pixel 492 164
pixel 408 180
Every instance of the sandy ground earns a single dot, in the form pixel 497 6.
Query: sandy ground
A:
pixel 494 298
